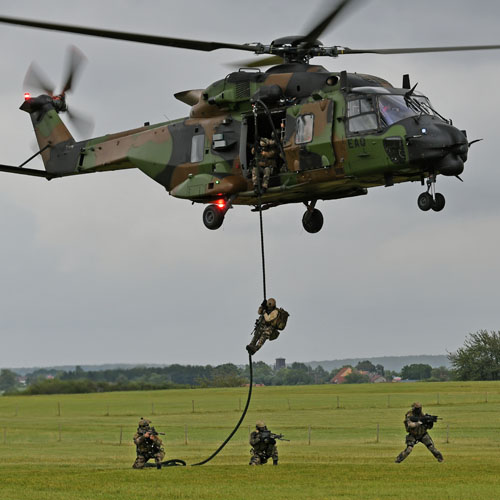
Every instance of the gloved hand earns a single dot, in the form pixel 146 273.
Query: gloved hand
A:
pixel 264 304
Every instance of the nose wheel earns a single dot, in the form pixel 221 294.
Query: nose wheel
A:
pixel 430 199
pixel 312 220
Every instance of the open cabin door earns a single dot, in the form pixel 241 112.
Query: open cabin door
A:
pixel 253 129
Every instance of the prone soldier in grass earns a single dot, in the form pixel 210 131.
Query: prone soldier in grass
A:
pixel 263 443
pixel 148 445
pixel 417 424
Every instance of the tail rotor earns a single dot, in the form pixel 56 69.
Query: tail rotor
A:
pixel 37 82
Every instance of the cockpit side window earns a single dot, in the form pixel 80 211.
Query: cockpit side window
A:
pixel 361 115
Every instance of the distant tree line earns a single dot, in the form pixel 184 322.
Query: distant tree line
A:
pixel 46 381
pixel 478 359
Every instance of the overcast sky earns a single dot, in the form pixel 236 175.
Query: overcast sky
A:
pixel 109 268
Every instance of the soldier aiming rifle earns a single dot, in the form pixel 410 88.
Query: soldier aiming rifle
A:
pixel 148 445
pixel 417 424
pixel 263 443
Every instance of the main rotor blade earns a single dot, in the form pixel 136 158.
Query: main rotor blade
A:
pixel 258 62
pixel 181 43
pixel 417 50
pixel 74 64
pixel 316 31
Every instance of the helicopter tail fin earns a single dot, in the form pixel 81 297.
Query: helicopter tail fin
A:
pixel 50 130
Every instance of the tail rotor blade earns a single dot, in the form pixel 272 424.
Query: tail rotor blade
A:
pixel 82 123
pixel 37 82
pixel 75 62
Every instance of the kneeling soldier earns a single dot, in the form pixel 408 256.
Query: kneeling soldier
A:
pixel 417 424
pixel 263 445
pixel 148 445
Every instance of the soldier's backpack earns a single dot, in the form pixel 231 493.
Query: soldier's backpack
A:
pixel 281 319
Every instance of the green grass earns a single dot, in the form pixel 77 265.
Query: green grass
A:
pixel 343 460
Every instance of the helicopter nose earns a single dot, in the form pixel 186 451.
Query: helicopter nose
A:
pixel 440 145
pixel 451 164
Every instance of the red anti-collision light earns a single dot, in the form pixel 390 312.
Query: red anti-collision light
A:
pixel 27 96
pixel 220 203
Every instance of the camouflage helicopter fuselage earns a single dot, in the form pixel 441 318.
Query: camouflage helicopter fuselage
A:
pixel 339 134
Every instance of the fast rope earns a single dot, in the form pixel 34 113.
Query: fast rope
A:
pixel 249 397
pixel 262 249
pixel 239 421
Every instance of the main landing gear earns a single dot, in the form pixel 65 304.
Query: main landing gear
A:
pixel 213 215
pixel 430 199
pixel 312 220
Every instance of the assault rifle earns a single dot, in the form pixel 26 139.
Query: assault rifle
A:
pixel 270 436
pixel 150 430
pixel 427 420
pixel 259 323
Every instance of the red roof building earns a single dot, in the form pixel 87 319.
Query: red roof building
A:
pixel 341 375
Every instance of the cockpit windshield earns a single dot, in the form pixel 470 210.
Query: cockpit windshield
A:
pixel 394 108
pixel 376 108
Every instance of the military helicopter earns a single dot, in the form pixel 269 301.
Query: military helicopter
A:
pixel 336 134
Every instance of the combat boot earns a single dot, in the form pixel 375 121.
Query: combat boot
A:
pixel 275 462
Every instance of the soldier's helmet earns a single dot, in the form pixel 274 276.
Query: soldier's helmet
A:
pixel 144 422
pixel 416 406
pixel 260 424
pixel 271 303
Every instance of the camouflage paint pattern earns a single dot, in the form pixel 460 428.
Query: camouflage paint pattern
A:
pixel 206 156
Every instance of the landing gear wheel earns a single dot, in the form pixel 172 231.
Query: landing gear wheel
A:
pixel 439 202
pixel 213 217
pixel 312 221
pixel 425 202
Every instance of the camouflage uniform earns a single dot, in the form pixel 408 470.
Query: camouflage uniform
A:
pixel 268 329
pixel 262 449
pixel 147 446
pixel 265 162
pixel 417 433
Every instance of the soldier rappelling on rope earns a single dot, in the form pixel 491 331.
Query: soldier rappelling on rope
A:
pixel 272 320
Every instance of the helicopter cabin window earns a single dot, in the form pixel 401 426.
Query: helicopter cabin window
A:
pixel 304 129
pixel 361 115
pixel 197 147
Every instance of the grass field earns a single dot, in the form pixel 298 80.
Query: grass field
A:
pixel 68 446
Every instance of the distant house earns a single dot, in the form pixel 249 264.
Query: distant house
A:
pixel 377 379
pixel 341 375
pixel 396 379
